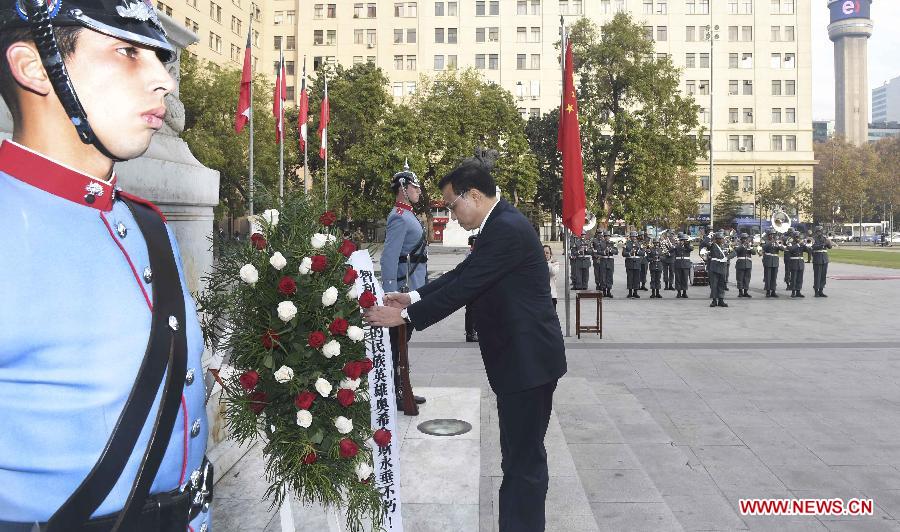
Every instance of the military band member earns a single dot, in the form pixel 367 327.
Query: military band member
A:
pixel 634 255
pixel 786 258
pixel 796 264
pixel 609 263
pixel 645 245
pixel 101 385
pixel 596 252
pixel 716 268
pixel 668 262
pixel 580 260
pixel 743 265
pixel 654 259
pixel 681 255
pixel 770 264
pixel 404 258
pixel 729 237
pixel 820 248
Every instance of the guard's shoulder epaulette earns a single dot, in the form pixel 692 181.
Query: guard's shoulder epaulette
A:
pixel 142 201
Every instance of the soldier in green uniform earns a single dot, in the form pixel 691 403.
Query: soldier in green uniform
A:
pixel 820 248
pixel 743 265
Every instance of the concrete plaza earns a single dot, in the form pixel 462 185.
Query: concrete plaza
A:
pixel 678 412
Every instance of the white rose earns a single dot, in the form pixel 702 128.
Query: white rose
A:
pixel 270 216
pixel 305 266
pixel 318 241
pixel 343 425
pixel 284 374
pixel 331 238
pixel 331 349
pixel 323 387
pixel 353 293
pixel 329 296
pixel 278 261
pixel 249 274
pixel 286 311
pixel 363 471
pixel 357 334
pixel 304 418
pixel 350 384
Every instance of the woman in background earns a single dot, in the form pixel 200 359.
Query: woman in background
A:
pixel 553 264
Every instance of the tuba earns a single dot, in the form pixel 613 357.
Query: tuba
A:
pixel 590 221
pixel 781 222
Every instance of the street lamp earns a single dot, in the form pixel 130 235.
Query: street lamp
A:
pixel 712 36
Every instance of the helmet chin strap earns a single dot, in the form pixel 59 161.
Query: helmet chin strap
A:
pixel 51 58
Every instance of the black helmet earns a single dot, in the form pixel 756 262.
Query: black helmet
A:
pixel 134 21
pixel 404 178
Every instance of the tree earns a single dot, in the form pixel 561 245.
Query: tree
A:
pixel 209 93
pixel 541 132
pixel 781 193
pixel 728 204
pixel 636 125
pixel 887 188
pixel 843 177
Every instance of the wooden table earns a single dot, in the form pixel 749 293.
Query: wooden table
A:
pixel 598 326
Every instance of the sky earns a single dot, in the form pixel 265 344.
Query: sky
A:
pixel 884 53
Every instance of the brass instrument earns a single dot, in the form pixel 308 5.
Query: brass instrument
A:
pixel 781 222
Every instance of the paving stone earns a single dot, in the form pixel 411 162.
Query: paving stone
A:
pixel 625 516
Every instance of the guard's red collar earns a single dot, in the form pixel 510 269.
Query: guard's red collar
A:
pixel 40 172
pixel 403 206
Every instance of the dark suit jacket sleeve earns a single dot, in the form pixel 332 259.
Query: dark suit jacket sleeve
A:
pixel 492 259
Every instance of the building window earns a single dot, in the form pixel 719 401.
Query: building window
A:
pixel 215 42
pixel 776 34
pixel 732 7
pixel 357 59
pixel 494 34
pixel 358 10
pixel 690 60
pixel 777 143
pixel 776 87
pixel 790 87
pixel 535 34
pixel 792 181
pixel 411 35
pixel 480 8
pixel 648 32
pixel 451 62
pixel 535 7
pixel 689 33
pixel 746 60
pixel 732 60
pixel 789 61
pixel 691 87
pixel 747 33
pixel 493 62
pixel 332 10
pixel 704 182
pixel 734 142
pixel 748 143
pixel 790 142
pixel 789 33
pixel 732 87
pixel 648 7
pixel 690 6
pixel 787 7
pixel 439 35
pixel 479 34
pixel 398 36
pixel 480 61
pixel 704 87
pixel 790 115
pixel 662 7
pixel 439 9
pixel 522 7
pixel 371 10
pixel 521 61
pixel 776 115
pixel 748 115
pixel 734 180
pixel 410 87
pixel 439 62
pixel 371 38
pixel 397 89
pixel 748 87
pixel 535 61
pixel 704 60
pixel 775 62
pixel 398 62
pixel 358 36
pixel 535 112
pixel 215 12
pixel 236 25
pixel 494 8
pixel 521 34
pixel 704 7
pixel 604 7
pixel 732 33
pixel 235 53
pixel 733 115
pixel 748 183
pixel 410 62
pixel 330 39
pixel 317 10
pixel 662 33
pixel 398 9
pixel 704 115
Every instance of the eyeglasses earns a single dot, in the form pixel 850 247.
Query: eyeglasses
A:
pixel 451 206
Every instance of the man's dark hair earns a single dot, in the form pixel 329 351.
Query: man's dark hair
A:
pixel 474 172
pixel 66 37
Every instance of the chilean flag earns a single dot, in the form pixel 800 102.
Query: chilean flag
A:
pixel 304 109
pixel 278 100
pixel 243 108
pixel 324 118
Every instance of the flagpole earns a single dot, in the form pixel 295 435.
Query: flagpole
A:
pixel 280 124
pixel 325 139
pixel 565 228
pixel 251 147
pixel 306 184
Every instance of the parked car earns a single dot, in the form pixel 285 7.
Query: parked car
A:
pixel 840 238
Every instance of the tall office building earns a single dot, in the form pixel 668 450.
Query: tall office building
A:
pixel 850 30
pixel 757 75
pixel 886 102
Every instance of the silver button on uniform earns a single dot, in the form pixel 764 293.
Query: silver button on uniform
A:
pixel 148 275
pixel 195 428
pixel 121 230
pixel 189 377
pixel 173 323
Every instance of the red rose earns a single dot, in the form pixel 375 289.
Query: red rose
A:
pixel 319 263
pixel 346 397
pixel 348 448
pixel 310 458
pixel 258 241
pixel 316 339
pixel 269 338
pixel 338 326
pixel 304 400
pixel 287 286
pixel 367 299
pixel 327 218
pixel 258 401
pixel 347 248
pixel 248 380
pixel 350 276
pixel 382 437
pixel 365 366
pixel 353 369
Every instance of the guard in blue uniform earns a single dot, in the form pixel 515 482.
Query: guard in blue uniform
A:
pixel 102 395
pixel 404 259
pixel 634 257
pixel 820 248
pixel 681 256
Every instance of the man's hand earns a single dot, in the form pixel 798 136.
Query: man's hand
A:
pixel 383 316
pixel 398 300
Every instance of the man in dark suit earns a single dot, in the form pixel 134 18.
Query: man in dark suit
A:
pixel 505 281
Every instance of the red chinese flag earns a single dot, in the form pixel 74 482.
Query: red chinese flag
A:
pixel 569 144
pixel 324 118
pixel 243 107
pixel 278 101
pixel 303 117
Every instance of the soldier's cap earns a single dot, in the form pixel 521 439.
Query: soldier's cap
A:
pixel 134 21
pixel 405 177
